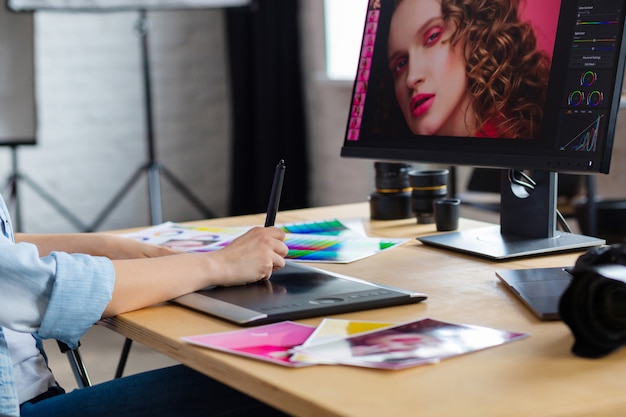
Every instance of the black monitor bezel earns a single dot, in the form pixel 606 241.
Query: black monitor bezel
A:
pixel 531 154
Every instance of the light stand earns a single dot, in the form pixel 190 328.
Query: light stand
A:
pixel 11 189
pixel 153 168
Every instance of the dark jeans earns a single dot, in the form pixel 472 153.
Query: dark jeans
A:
pixel 175 391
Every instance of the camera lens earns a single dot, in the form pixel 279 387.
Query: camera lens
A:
pixel 427 186
pixel 594 303
pixel 612 300
pixel 392 177
pixel 392 199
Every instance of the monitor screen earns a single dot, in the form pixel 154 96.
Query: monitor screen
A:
pixel 512 84
pixel 533 84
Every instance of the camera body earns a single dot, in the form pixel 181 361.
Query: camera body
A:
pixel 594 304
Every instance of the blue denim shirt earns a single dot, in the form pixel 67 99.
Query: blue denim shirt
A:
pixel 58 296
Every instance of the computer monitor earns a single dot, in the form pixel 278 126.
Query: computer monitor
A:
pixel 527 86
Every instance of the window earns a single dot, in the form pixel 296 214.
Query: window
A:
pixel 343 21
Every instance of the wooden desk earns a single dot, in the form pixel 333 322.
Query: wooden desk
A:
pixel 536 377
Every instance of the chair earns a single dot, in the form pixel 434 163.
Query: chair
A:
pixel 76 363
pixel 79 369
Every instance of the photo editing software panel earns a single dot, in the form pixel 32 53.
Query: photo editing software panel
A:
pixel 589 76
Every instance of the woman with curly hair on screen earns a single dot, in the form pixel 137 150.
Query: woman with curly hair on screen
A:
pixel 466 68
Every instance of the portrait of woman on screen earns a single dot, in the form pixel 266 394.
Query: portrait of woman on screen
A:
pixel 461 68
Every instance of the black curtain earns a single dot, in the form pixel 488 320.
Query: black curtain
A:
pixel 267 105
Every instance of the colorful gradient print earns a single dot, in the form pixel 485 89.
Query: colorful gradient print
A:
pixel 319 241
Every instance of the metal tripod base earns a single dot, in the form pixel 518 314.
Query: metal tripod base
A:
pixel 153 170
pixel 14 202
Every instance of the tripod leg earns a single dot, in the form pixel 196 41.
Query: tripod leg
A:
pixel 13 203
pixel 154 190
pixel 54 203
pixel 206 212
pixel 117 198
pixel 14 196
pixel 11 188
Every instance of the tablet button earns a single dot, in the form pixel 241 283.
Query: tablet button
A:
pixel 326 300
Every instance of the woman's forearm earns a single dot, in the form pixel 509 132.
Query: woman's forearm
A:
pixel 96 244
pixel 144 276
pixel 249 258
pixel 143 282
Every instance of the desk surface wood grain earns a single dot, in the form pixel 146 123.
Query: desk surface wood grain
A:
pixel 537 376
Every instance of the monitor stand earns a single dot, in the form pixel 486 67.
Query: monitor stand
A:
pixel 527 225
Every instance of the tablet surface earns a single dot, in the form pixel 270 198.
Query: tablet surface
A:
pixel 296 291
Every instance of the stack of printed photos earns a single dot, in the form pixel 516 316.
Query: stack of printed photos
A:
pixel 357 343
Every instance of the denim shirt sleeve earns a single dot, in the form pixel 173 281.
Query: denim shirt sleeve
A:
pixel 82 288
pixel 58 296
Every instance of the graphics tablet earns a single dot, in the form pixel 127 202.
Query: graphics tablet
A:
pixel 296 291
pixel 539 288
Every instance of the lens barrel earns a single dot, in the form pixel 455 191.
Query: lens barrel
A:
pixel 427 187
pixel 392 198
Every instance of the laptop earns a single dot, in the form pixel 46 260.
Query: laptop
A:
pixel 295 292
pixel 539 288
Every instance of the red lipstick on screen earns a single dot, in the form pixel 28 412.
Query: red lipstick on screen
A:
pixel 421 103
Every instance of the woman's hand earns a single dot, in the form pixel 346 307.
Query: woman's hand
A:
pixel 252 256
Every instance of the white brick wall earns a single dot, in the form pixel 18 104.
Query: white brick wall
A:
pixel 91 117
pixel 91 129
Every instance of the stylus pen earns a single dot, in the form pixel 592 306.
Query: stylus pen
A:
pixel 277 186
